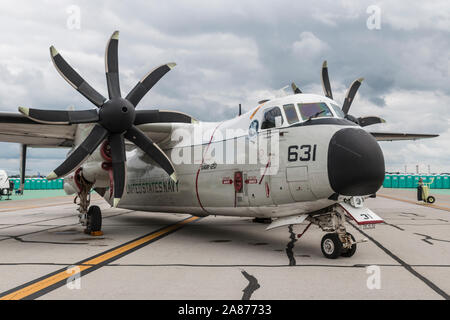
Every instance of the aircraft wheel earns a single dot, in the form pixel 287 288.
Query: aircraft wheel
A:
pixel 351 251
pixel 331 246
pixel 94 219
pixel 431 199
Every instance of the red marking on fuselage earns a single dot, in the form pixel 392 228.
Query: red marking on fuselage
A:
pixel 77 183
pixel 227 180
pixel 265 170
pixel 306 229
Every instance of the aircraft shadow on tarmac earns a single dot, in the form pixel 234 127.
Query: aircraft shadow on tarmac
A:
pixel 235 234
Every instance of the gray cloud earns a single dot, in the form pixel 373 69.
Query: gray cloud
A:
pixel 231 52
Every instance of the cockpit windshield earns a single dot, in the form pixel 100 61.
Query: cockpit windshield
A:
pixel 314 110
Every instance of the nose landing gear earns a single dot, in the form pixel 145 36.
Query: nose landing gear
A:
pixel 333 247
pixel 338 242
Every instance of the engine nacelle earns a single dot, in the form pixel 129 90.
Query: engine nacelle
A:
pixel 93 168
pixel 70 187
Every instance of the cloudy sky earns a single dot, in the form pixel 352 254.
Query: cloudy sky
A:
pixel 230 52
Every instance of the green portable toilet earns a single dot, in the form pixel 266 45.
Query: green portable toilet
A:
pixel 53 184
pixel 438 182
pixel 415 180
pixel 430 178
pixel 424 178
pixel 387 181
pixel 47 184
pixel 43 184
pixel 402 181
pixel 409 181
pixel 394 179
pixel 60 183
pixel 445 181
pixel 27 184
pixel 32 184
pixel 38 184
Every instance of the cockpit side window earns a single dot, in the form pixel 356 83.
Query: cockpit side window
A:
pixel 269 117
pixel 291 113
pixel 314 110
pixel 338 110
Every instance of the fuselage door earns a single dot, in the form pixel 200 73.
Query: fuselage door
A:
pixel 297 178
pixel 258 187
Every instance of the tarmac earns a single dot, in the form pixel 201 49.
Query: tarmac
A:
pixel 143 255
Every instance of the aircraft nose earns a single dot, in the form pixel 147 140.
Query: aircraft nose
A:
pixel 355 163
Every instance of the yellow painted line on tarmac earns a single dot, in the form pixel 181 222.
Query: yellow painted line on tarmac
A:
pixel 55 280
pixel 440 207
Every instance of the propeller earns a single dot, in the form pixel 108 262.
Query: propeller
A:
pixel 115 119
pixel 295 88
pixel 326 81
pixel 349 97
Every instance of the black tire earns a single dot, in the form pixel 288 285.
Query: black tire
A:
pixel 431 199
pixel 349 252
pixel 94 219
pixel 331 246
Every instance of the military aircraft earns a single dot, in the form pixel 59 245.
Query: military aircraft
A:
pixel 297 158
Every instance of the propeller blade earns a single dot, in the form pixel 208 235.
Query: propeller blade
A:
pixel 119 159
pixel 295 88
pixel 351 94
pixel 143 86
pixel 160 116
pixel 76 158
pixel 74 79
pixel 326 81
pixel 368 121
pixel 112 66
pixel 60 117
pixel 146 144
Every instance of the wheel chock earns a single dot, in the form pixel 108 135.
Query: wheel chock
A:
pixel 96 233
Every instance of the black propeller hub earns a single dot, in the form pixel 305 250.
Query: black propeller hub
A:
pixel 117 115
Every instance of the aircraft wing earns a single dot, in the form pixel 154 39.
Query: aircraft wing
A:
pixel 15 127
pixel 390 136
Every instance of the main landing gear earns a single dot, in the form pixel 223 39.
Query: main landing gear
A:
pixel 337 242
pixel 90 216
